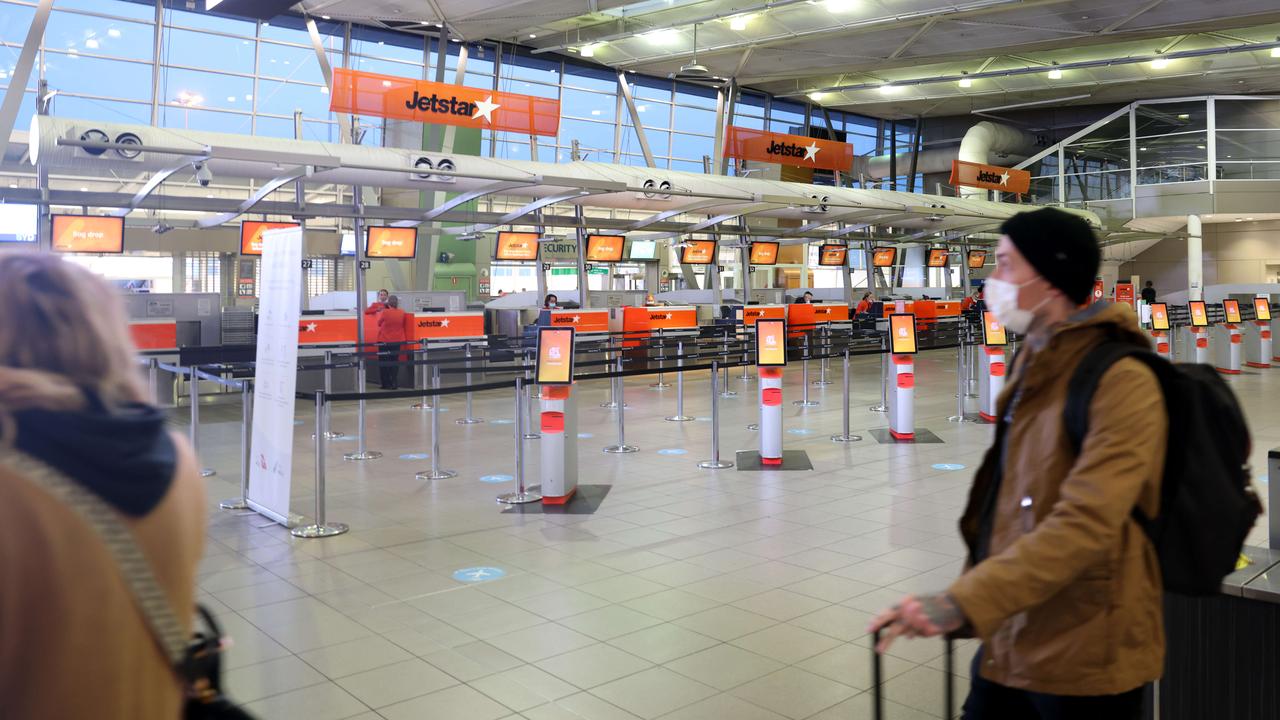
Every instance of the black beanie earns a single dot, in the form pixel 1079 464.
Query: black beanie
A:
pixel 1060 246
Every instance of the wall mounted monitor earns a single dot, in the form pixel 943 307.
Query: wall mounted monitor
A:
pixel 18 223
pixel 1160 316
pixel 764 252
pixel 771 342
pixel 832 255
pixel 518 246
pixel 88 234
pixel 555 356
pixel 605 248
pixel 902 334
pixel 1262 307
pixel 884 257
pixel 1199 315
pixel 698 252
pixel 382 241
pixel 251 234
pixel 993 332
pixel 977 259
pixel 347 243
pixel 643 250
pixel 1231 309
pixel 937 257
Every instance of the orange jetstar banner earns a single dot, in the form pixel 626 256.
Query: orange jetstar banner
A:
pixel 398 98
pixel 991 177
pixel 750 144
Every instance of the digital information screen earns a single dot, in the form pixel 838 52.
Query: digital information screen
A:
pixel 399 243
pixel 555 356
pixel 1199 316
pixel 902 334
pixel 977 258
pixel 18 223
pixel 993 333
pixel 698 252
pixel 764 253
pixel 1231 309
pixel 938 257
pixel 518 246
pixel 1159 316
pixel 832 255
pixel 643 250
pixel 771 342
pixel 884 257
pixel 1262 307
pixel 88 234
pixel 251 234
pixel 605 248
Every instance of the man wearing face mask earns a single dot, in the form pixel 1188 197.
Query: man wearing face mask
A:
pixel 1061 584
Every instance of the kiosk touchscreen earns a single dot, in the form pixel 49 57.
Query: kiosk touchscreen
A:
pixel 1199 315
pixel 1262 307
pixel 832 255
pixel 555 356
pixel 938 257
pixel 764 252
pixel 771 342
pixel 1231 309
pixel 993 332
pixel 902 334
pixel 1160 317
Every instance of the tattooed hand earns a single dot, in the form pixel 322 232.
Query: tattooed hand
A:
pixel 923 616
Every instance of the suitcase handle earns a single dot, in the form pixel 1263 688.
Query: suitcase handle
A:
pixel 877 678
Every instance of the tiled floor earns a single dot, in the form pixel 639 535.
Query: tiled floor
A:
pixel 689 595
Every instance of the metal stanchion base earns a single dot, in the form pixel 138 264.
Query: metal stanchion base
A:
pixel 208 472
pixel 618 449
pixel 469 421
pixel 435 475
pixel 678 418
pixel 822 382
pixel 804 403
pixel 879 408
pixel 366 455
pixel 732 393
pixel 519 498
pixel 234 504
pixel 613 405
pixel 330 435
pixel 715 464
pixel 421 406
pixel 959 419
pixel 845 438
pixel 660 385
pixel 753 426
pixel 319 531
pixel 531 436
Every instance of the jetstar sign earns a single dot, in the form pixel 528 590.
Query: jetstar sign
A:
pixel 990 177
pixel 388 96
pixel 760 146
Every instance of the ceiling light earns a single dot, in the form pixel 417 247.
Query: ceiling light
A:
pixel 817 96
pixel 84 189
pixel 1159 63
pixel 889 89
pixel 1055 74
pixel 1275 52
pixel 1249 219
pixel 1239 219
pixel 1184 116
pixel 1142 149
pixel 663 36
pixel 836 6
pixel 324 17
pixel 589 50
pixel 533 35
pixel 739 22
pixel 1199 147
pixel 965 82
pixel 386 83
pixel 113 32
pixel 91 43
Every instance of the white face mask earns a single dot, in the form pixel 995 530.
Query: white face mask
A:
pixel 1002 296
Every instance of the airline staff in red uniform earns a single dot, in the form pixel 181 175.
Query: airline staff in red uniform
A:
pixel 377 307
pixel 863 305
pixel 390 338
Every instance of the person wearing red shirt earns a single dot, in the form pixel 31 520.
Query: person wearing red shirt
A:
pixel 377 307
pixel 971 300
pixel 390 337
pixel 864 305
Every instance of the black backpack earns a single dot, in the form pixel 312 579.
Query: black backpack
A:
pixel 1207 503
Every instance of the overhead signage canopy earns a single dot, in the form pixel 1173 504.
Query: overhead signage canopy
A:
pixel 760 146
pixel 991 177
pixel 399 98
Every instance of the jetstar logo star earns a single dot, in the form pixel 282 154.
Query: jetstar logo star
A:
pixel 810 151
pixel 312 327
pixel 990 177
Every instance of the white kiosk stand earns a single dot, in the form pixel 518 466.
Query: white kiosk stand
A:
pixel 1259 352
pixel 1228 355
pixel 1160 339
pixel 902 392
pixel 771 358
pixel 1199 332
pixel 558 419
pixel 991 366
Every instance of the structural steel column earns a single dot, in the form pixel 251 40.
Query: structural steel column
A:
pixel 1195 259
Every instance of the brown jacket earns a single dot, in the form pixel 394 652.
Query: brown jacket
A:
pixel 72 641
pixel 1068 599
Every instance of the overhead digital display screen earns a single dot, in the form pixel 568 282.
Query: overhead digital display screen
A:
pixel 938 257
pixel 884 257
pixel 392 242
pixel 251 234
pixel 605 248
pixel 88 234
pixel 18 223
pixel 517 246
pixel 832 255
pixel 643 250
pixel 698 252
pixel 977 258
pixel 764 252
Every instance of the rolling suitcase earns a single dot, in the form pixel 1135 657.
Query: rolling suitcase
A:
pixel 877 679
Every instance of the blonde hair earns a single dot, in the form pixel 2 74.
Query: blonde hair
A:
pixel 62 328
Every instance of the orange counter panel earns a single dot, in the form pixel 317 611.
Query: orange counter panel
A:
pixel 645 318
pixel 830 313
pixel 319 330
pixel 446 326
pixel 927 309
pixel 154 334
pixel 752 313
pixel 581 320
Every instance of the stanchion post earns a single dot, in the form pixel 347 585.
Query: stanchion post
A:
pixel 469 419
pixel 320 528
pixel 679 416
pixel 531 428
pixel 522 494
pixel 846 436
pixel 246 441
pixel 962 379
pixel 435 473
pixel 622 446
pixel 727 392
pixel 153 379
pixel 824 365
pixel 884 380
pixel 420 376
pixel 715 463
pixel 328 385
pixel 804 400
pixel 663 349
pixel 362 452
pixel 193 389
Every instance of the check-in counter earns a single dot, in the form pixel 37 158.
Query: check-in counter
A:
pixel 154 334
pixel 639 322
pixel 927 309
pixel 582 321
pixel 340 329
pixel 748 315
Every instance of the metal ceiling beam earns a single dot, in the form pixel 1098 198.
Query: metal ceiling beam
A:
pixel 459 200
pixel 884 220
pixel 1130 17
pixel 22 69
pixel 666 214
pixel 267 188
pixel 912 40
pixel 154 182
pixel 519 213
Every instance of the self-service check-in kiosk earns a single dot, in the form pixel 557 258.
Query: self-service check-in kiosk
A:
pixel 771 359
pixel 1228 356
pixel 1160 330
pixel 902 347
pixel 559 415
pixel 1259 350
pixel 991 366
pixel 1199 331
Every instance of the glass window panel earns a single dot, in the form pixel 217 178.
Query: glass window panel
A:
pixel 98 36
pixel 523 67
pixel 691 147
pixel 282 98
pixel 385 67
pixel 104 110
pixel 94 76
pixel 320 131
pixel 590 77
pixel 211 120
pixel 652 114
pixel 638 161
pixel 140 11
pixel 208 51
pixel 290 29
pixel 8 60
pixel 659 141
pixel 695 120
pixel 596 155
pixel 588 134
pixel 14 22
pixel 26 110
pixel 642 90
pixel 581 104
pixel 1247 114
pixel 374 42
pixel 483 82
pixel 529 88
pixel 479 60
pixel 290 63
pixel 755 123
pixel 208 21
pixel 695 95
pixel 273 127
pixel 213 88
pixel 511 151
pixel 372 134
pixel 1165 118
pixel 687 166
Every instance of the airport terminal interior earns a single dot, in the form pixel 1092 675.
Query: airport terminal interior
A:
pixel 690 371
